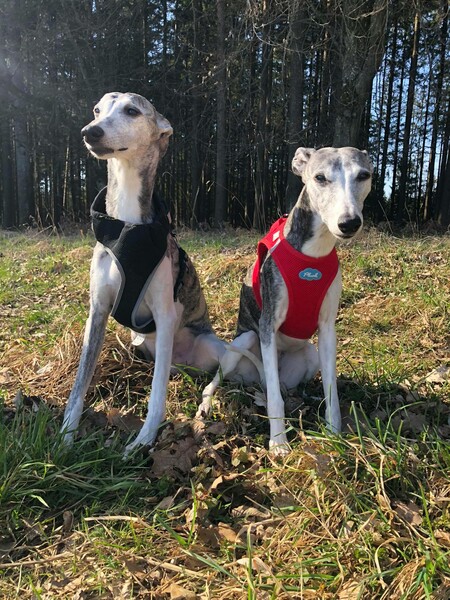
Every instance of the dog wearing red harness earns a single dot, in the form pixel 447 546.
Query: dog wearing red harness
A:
pixel 294 287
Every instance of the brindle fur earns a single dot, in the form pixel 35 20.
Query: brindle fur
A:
pixel 337 180
pixel 132 136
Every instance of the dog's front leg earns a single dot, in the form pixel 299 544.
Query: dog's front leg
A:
pixel 92 343
pixel 327 359
pixel 234 352
pixel 273 312
pixel 327 354
pixel 165 316
pixel 278 443
pixel 165 326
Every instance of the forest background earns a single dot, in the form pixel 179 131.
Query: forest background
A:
pixel 244 83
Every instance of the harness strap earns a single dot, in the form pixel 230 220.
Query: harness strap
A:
pixel 137 250
pixel 307 280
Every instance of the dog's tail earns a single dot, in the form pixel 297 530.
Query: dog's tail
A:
pixel 252 358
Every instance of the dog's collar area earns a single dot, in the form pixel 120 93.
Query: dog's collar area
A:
pixel 98 212
pixel 137 250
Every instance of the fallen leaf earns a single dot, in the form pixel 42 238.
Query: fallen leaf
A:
pixel 351 590
pixel 45 369
pixel 258 565
pixel 222 479
pixel 250 512
pixel 128 423
pixel 180 593
pixel 165 503
pixel 252 533
pixel 137 567
pixel 198 429
pixel 240 456
pixel 67 522
pixel 443 537
pixel 260 399
pixel 177 459
pixel 5 376
pixel 227 532
pixel 321 461
pixel 378 413
pixel 212 453
pixel 216 428
pixel 439 375
pixel 6 546
pixel 414 422
pixel 208 536
pixel 410 513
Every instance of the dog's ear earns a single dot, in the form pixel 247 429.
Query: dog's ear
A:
pixel 165 128
pixel 301 157
pixel 165 131
pixel 369 162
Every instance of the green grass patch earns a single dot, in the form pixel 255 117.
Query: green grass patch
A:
pixel 208 513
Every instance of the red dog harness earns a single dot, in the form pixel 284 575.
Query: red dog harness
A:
pixel 307 280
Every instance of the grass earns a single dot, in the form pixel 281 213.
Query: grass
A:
pixel 208 513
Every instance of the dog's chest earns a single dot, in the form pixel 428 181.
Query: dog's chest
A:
pixel 107 277
pixel 306 280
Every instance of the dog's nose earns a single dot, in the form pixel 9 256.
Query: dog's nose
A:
pixel 92 133
pixel 350 226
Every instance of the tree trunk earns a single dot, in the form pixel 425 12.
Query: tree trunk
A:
pixel 23 172
pixel 444 204
pixel 195 122
pixel 262 150
pixel 395 159
pixel 295 107
pixel 443 185
pixel 361 35
pixel 420 204
pixel 221 148
pixel 8 212
pixel 387 127
pixel 401 207
pixel 428 205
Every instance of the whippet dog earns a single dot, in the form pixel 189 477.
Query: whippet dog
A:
pixel 139 274
pixel 294 287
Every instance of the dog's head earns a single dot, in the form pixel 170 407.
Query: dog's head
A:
pixel 124 125
pixel 337 182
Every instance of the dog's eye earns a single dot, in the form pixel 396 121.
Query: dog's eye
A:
pixel 96 110
pixel 320 178
pixel 132 112
pixel 363 175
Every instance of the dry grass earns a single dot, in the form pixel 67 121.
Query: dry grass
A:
pixel 208 513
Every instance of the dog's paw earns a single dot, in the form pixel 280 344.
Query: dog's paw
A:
pixel 204 409
pixel 67 438
pixel 129 450
pixel 140 442
pixel 279 446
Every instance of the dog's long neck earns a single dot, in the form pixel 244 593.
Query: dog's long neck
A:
pixel 130 189
pixel 305 231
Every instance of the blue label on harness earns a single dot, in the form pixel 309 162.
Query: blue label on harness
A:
pixel 310 274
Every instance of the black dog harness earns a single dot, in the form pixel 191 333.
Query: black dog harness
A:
pixel 137 251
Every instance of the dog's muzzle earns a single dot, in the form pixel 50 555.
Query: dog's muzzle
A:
pixel 350 226
pixel 92 134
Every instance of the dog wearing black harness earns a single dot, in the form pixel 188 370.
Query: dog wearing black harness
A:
pixel 139 273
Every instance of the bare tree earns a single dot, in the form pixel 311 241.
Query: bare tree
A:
pixel 401 207
pixel 297 30
pixel 221 149
pixel 358 49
